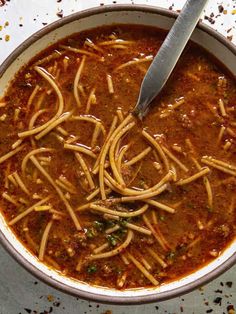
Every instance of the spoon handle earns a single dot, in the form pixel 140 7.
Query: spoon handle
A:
pixel 168 55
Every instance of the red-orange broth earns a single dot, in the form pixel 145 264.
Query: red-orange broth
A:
pixel 80 188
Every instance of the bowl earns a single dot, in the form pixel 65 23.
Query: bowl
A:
pixel 212 41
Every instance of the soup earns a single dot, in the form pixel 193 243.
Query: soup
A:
pixel 97 194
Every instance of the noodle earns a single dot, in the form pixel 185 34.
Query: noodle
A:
pixel 112 151
pixel 137 228
pixel 110 84
pixel 32 122
pixel 221 133
pixel 222 107
pixel 9 199
pixel 116 41
pixel 12 180
pixel 11 153
pixel 20 183
pixel 120 114
pixel 48 78
pixel 81 149
pixel 16 144
pixel 67 183
pixel 157 258
pixel 32 96
pixel 33 152
pixel 81 51
pixel 105 149
pixel 96 133
pixel 157 147
pixel 91 100
pixel 141 196
pixel 133 62
pixel 28 211
pixel 117 250
pixel 143 270
pixel 155 234
pixel 54 55
pixel 121 281
pixel 161 206
pixel 127 191
pixel 176 160
pixel 206 183
pixel 101 248
pixel 194 177
pixel 54 124
pixel 122 152
pixel 65 187
pixel 118 213
pixel 90 44
pixel 40 101
pixel 138 157
pixel 76 81
pixel 67 205
pixel 44 240
pixel 89 118
pixel 112 229
pixel 173 169
pixel 145 263
pixel 86 170
pixel 62 131
pixel 124 259
pixel 219 165
pixel 93 194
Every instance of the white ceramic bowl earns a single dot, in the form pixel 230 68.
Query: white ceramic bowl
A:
pixel 216 44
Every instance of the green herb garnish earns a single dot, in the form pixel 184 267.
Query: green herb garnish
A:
pixel 123 222
pixel 162 218
pixel 91 233
pixel 112 240
pixel 91 269
pixel 171 255
pixel 98 225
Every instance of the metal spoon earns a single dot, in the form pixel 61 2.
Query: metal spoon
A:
pixel 168 55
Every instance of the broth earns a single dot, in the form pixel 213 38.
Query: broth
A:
pixel 105 198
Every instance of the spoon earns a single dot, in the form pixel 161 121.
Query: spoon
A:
pixel 168 55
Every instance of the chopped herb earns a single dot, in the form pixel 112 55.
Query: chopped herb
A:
pixel 120 233
pixel 162 218
pixel 123 222
pixel 109 224
pixel 171 255
pixel 91 269
pixel 98 225
pixel 112 240
pixel 91 233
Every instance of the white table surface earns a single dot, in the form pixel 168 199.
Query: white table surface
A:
pixel 20 292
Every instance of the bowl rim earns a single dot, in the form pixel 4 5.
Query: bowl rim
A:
pixel 155 297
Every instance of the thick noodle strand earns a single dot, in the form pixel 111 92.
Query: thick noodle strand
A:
pixel 117 250
pixel 61 195
pixel 44 240
pixel 50 80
